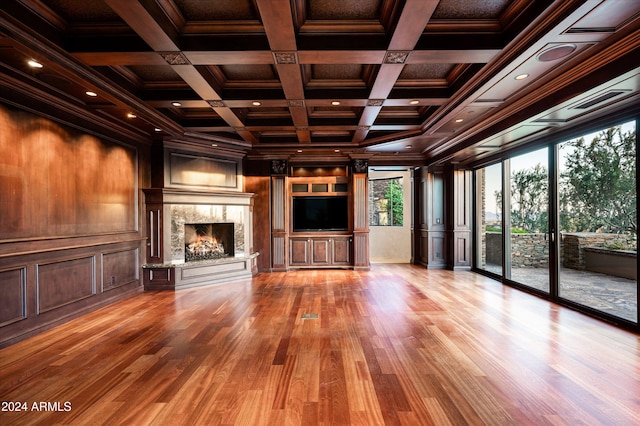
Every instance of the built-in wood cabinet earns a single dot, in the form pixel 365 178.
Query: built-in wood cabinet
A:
pixel 319 251
pixel 337 237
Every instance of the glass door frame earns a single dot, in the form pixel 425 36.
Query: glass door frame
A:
pixel 553 223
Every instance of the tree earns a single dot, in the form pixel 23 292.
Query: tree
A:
pixel 396 199
pixel 598 186
pixel 529 201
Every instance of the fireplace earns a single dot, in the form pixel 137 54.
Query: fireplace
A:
pixel 204 241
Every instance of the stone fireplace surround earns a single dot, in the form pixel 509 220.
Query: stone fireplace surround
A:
pixel 168 210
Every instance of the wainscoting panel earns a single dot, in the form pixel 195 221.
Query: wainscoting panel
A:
pixel 120 268
pixel 64 282
pixel 13 291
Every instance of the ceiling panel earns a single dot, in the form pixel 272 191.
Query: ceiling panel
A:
pixel 370 75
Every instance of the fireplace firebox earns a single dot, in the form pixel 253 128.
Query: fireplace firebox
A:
pixel 204 241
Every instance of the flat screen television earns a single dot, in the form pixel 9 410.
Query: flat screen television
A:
pixel 318 213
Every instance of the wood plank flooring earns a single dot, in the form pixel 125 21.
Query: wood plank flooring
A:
pixel 397 345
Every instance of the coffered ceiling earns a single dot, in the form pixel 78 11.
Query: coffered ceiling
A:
pixel 389 80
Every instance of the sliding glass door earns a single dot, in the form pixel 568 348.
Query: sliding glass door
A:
pixel 586 188
pixel 489 219
pixel 597 221
pixel 528 204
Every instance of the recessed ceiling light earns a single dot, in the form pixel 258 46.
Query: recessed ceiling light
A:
pixel 34 64
pixel 336 150
pixel 131 115
pixel 90 93
pixel 414 102
pixel 158 129
pixel 521 76
pixel 299 150
pixel 459 120
pixel 214 145
pixel 176 104
pixel 256 103
pixel 335 103
pixel 408 147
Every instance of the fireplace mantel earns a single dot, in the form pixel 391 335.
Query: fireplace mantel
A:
pixel 168 209
pixel 184 196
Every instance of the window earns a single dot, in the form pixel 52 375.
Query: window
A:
pixel 386 202
pixel 562 221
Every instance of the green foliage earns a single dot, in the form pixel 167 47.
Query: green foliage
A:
pixel 395 196
pixel 490 228
pixel 598 187
pixel 529 200
pixel 620 245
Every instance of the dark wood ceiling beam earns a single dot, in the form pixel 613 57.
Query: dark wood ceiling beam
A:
pixel 413 20
pixel 67 66
pixel 98 59
pixel 233 42
pixel 461 56
pixel 341 56
pixel 304 135
pixel 160 38
pixel 120 58
pixel 229 57
pixel 278 24
pixel 411 24
pixel 191 75
pixel 346 42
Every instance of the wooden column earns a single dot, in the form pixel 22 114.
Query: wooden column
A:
pixel 415 214
pixel 360 219
pixel 279 217
pixel 435 225
pixel 154 219
pixel 420 238
pixel 458 196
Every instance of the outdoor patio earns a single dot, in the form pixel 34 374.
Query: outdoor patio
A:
pixel 613 295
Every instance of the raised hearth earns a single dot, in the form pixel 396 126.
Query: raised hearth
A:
pixel 176 217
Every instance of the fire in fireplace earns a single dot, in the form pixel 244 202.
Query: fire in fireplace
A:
pixel 203 241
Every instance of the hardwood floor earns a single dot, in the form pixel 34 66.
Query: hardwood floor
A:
pixel 395 345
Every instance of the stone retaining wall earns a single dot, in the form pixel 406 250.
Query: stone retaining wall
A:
pixel 527 250
pixel 532 250
pixel 574 244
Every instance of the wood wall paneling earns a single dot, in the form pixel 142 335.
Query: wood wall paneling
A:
pixel 360 221
pixel 361 250
pixel 437 219
pixel 56 181
pixel 64 282
pixel 459 198
pixel 69 218
pixel 278 207
pixel 13 295
pixel 200 171
pixel 159 278
pixel 360 203
pixel 279 232
pixel 278 252
pixel 258 182
pixel 154 233
pixel 120 268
